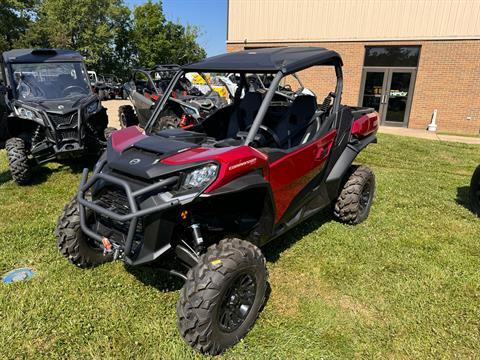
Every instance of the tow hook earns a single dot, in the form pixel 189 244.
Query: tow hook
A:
pixel 108 248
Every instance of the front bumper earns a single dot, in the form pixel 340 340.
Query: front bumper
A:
pixel 132 217
pixel 66 136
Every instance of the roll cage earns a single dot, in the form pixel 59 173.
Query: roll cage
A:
pixel 152 83
pixel 279 61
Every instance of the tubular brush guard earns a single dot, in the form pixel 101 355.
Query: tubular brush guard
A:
pixel 135 213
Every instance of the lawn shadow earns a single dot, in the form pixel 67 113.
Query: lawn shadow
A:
pixel 5 177
pixel 40 173
pixel 276 247
pixel 463 197
pixel 163 281
pixel 76 166
pixel 156 277
pixel 160 279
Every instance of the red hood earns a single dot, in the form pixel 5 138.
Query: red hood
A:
pixel 234 161
pixel 163 155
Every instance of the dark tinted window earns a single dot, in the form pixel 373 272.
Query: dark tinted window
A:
pixel 392 56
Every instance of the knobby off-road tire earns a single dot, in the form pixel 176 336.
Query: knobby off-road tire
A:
pixel 18 161
pixel 73 243
pixel 230 275
pixel 355 200
pixel 126 116
pixel 474 191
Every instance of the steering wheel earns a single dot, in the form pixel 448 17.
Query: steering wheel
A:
pixel 69 89
pixel 269 132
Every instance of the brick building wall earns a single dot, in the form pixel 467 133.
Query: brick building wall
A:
pixel 448 79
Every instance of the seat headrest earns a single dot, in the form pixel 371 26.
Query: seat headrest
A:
pixel 303 108
pixel 308 101
pixel 251 99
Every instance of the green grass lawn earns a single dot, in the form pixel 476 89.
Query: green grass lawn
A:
pixel 404 284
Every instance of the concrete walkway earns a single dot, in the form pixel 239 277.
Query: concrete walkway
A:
pixel 424 134
pixel 112 111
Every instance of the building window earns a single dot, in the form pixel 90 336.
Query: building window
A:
pixel 404 56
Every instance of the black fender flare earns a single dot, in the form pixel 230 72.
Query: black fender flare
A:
pixel 251 181
pixel 336 176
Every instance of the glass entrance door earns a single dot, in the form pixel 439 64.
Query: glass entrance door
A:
pixel 399 96
pixel 374 88
pixel 388 91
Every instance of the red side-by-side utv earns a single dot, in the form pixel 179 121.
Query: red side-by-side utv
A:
pixel 202 202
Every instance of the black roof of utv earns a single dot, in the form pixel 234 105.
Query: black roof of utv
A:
pixel 285 59
pixel 40 55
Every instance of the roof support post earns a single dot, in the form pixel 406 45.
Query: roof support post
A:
pixel 263 108
pixel 163 100
pixel 339 87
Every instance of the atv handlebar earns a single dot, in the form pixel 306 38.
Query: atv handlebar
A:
pixel 135 213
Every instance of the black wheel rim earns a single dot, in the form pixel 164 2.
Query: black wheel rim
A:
pixel 237 303
pixel 365 196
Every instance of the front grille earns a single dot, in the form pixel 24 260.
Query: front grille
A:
pixel 115 200
pixel 66 126
pixel 70 119
pixel 63 135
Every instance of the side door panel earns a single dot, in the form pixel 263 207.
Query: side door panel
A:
pixel 291 173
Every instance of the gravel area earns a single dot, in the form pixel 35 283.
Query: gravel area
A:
pixel 112 111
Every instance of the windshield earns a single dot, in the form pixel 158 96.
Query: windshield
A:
pixel 49 81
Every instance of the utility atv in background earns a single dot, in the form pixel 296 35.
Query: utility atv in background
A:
pixel 51 110
pixel 201 202
pixel 98 85
pixel 114 87
pixel 187 105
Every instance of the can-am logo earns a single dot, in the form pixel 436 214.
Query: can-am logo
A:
pixel 243 163
pixel 134 161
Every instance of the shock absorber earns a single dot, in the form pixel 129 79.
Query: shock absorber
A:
pixel 197 237
pixel 37 135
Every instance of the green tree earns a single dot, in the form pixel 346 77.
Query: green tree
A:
pixel 104 31
pixel 158 41
pixel 99 29
pixel 15 17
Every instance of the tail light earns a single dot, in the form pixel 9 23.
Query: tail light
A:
pixel 365 125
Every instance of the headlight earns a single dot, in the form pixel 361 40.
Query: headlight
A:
pixel 28 114
pixel 92 107
pixel 199 178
